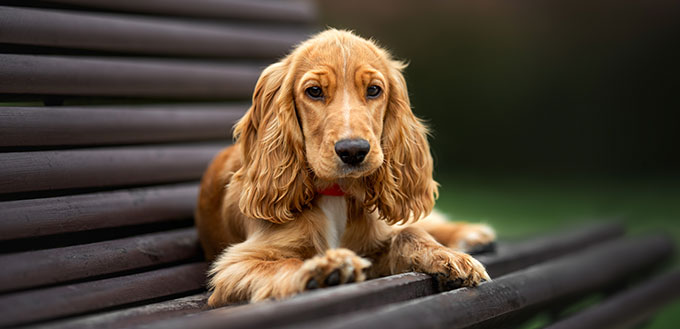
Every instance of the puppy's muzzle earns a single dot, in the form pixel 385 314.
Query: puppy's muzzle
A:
pixel 352 151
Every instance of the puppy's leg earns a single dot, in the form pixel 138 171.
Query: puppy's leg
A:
pixel 459 236
pixel 256 270
pixel 413 249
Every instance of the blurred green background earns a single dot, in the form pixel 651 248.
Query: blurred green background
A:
pixel 545 114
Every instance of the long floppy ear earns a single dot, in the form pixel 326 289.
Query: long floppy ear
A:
pixel 402 189
pixel 274 176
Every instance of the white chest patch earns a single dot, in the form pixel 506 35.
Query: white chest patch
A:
pixel 335 209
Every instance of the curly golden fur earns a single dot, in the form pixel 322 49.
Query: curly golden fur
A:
pixel 260 215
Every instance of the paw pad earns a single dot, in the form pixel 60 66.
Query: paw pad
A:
pixel 335 267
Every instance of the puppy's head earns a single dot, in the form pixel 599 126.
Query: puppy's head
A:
pixel 336 110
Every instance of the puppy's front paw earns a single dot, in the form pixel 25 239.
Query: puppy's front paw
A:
pixel 335 267
pixel 454 269
pixel 473 238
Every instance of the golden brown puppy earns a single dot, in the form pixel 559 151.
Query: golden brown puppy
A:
pixel 326 161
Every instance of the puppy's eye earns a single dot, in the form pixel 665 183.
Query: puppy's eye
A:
pixel 373 91
pixel 314 92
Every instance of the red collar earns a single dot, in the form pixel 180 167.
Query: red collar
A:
pixel 334 190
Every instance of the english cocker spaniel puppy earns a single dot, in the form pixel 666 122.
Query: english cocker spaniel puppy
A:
pixel 329 172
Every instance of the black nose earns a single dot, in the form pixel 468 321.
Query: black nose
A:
pixel 352 151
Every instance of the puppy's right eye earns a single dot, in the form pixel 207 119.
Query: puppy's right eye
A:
pixel 314 92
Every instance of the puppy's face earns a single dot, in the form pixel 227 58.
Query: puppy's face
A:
pixel 341 95
pixel 337 105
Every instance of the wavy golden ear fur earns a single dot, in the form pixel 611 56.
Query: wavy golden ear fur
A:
pixel 276 182
pixel 402 189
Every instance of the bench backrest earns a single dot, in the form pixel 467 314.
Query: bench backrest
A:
pixel 109 113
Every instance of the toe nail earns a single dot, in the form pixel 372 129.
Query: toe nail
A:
pixel 457 283
pixel 312 284
pixel 333 279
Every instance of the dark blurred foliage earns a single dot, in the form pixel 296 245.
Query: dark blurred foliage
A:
pixel 549 87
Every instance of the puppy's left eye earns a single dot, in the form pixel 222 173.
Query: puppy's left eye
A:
pixel 314 92
pixel 373 91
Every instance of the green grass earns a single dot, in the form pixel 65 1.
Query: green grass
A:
pixel 517 207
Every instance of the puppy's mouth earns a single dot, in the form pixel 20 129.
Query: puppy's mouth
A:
pixel 354 170
pixel 342 170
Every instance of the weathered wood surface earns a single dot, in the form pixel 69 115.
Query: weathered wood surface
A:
pixel 78 298
pixel 489 304
pixel 629 308
pixel 140 77
pixel 379 292
pixel 96 167
pixel 269 11
pixel 90 210
pixel 102 125
pixel 544 247
pixel 84 212
pixel 51 266
pixel 143 35
pixel 133 316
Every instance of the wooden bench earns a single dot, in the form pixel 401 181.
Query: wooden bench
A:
pixel 112 109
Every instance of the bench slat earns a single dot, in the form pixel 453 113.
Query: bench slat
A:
pixel 378 292
pixel 132 316
pixel 50 303
pixel 489 305
pixel 629 308
pixel 545 247
pixel 51 170
pixel 144 35
pixel 75 213
pixel 142 77
pixel 50 266
pixel 115 125
pixel 271 11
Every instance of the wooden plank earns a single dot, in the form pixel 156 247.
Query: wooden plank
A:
pixel 100 125
pixel 76 213
pixel 629 308
pixel 134 316
pixel 141 77
pixel 483 307
pixel 368 295
pixel 312 305
pixel 142 35
pixel 51 266
pixel 272 11
pixel 52 170
pixel 525 253
pixel 50 303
